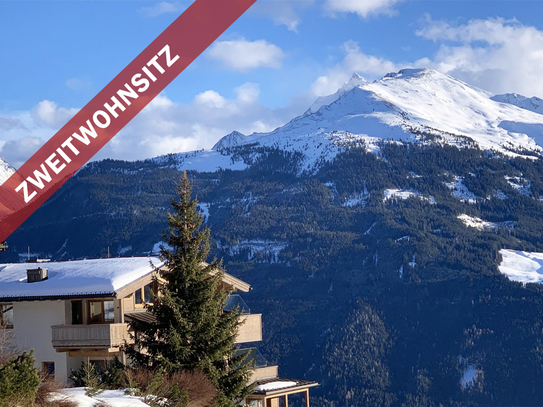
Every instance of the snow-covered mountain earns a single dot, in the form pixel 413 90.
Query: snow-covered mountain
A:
pixel 416 105
pixel 6 171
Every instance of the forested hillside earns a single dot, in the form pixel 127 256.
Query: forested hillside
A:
pixel 376 274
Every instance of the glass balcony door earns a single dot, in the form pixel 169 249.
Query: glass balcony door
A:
pixel 101 312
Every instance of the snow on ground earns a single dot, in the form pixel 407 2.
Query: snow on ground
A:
pixel 124 250
pixel 524 267
pixel 469 373
pixel 479 224
pixel 98 276
pixel 113 398
pixel 468 376
pixel 357 199
pixel 201 161
pixel 460 191
pixel 413 262
pixel 392 194
pixel 500 194
pixel 522 185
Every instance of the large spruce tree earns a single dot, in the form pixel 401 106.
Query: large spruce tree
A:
pixel 190 330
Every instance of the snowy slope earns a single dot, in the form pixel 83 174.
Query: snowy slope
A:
pixel 534 104
pixel 524 267
pixel 417 105
pixel 6 171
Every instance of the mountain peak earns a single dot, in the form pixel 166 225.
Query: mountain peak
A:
pixel 230 140
pixel 355 81
pixel 413 73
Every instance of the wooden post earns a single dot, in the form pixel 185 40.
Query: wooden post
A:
pixel 306 397
pixel 286 400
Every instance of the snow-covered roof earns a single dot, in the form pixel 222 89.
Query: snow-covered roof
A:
pixel 75 278
pixel 277 385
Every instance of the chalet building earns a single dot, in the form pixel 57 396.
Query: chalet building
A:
pixel 72 311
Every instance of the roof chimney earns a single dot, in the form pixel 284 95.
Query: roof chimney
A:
pixel 36 275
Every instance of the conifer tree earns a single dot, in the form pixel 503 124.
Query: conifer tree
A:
pixel 192 332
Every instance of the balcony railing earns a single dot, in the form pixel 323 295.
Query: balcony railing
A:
pixel 233 301
pixel 253 356
pixel 90 336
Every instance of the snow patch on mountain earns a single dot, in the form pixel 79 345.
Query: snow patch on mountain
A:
pixel 524 267
pixel 479 224
pixel 270 249
pixel 203 208
pixel 201 161
pixel 500 195
pixel 522 185
pixel 469 373
pixel 460 191
pixel 394 194
pixel 6 171
pixel 356 199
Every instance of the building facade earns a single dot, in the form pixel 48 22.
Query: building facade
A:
pixel 71 312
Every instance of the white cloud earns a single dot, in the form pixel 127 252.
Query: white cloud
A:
pixel 23 132
pixel 49 113
pixel 167 127
pixel 242 55
pixel 162 127
pixel 364 8
pixel 354 61
pixel 163 7
pixel 495 54
pixel 16 152
pixel 210 99
pixel 9 124
pixel 285 13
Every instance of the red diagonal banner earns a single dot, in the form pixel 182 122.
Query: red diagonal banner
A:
pixel 109 111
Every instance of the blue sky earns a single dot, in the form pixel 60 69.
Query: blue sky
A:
pixel 266 69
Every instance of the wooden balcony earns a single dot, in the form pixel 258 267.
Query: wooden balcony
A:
pixel 109 337
pixel 251 330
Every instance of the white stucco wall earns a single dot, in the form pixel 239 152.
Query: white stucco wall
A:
pixel 32 323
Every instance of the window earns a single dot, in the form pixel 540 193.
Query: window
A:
pixel 6 315
pixel 48 369
pixel 101 312
pixel 145 294
pixel 77 312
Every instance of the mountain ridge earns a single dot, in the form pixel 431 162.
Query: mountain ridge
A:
pixel 412 105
